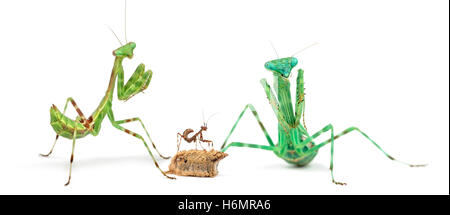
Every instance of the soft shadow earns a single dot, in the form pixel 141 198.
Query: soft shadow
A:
pixel 310 167
pixel 101 161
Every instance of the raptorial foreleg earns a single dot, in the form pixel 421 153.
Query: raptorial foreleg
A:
pixel 137 83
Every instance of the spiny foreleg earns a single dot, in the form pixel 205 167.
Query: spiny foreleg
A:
pixel 300 99
pixel 137 83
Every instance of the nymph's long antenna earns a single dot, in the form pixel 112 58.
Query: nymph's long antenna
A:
pixel 203 115
pixel 210 117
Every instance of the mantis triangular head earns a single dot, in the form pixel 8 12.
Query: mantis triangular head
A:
pixel 126 50
pixel 282 66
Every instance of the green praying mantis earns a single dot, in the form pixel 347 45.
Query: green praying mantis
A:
pixel 82 126
pixel 295 145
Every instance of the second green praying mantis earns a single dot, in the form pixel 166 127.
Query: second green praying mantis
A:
pixel 295 145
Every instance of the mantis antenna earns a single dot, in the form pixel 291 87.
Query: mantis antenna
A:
pixel 114 35
pixel 203 114
pixel 303 49
pixel 307 47
pixel 274 49
pixel 126 41
pixel 210 117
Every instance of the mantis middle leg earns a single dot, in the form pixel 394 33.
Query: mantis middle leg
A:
pixel 235 124
pixel 206 141
pixel 83 118
pixel 117 125
pixel 148 135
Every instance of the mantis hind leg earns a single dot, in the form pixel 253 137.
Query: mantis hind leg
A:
pixel 51 150
pixel 179 141
pixel 260 125
pixel 331 140
pixel 148 135
pixel 210 143
pixel 74 104
pixel 71 157
pixel 117 125
pixel 197 142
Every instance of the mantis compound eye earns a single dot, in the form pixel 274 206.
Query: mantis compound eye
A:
pixel 294 62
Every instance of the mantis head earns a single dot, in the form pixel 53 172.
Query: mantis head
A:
pixel 125 51
pixel 204 127
pixel 282 66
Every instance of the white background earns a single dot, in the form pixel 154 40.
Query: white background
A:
pixel 380 65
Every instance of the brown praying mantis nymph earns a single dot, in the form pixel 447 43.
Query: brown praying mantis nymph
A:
pixel 82 126
pixel 197 137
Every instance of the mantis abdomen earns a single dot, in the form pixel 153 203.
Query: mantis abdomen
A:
pixel 189 139
pixel 65 126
